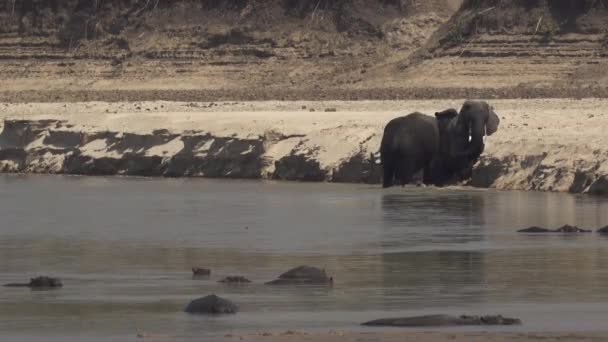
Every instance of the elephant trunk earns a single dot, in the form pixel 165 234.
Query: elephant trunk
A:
pixel 476 145
pixel 477 119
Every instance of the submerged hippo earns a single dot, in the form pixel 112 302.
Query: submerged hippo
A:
pixel 535 229
pixel 200 271
pixel 39 283
pixel 563 229
pixel 235 280
pixel 212 305
pixel 571 229
pixel 443 320
pixel 305 275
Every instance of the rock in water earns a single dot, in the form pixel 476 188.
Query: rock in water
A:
pixel 571 229
pixel 563 229
pixel 443 320
pixel 305 275
pixel 535 229
pixel 212 305
pixel 235 280
pixel 200 271
pixel 40 283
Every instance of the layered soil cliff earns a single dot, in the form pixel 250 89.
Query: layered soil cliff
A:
pixel 147 49
pixel 550 145
pixel 530 44
pixel 189 50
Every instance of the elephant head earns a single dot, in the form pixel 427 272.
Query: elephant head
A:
pixel 476 120
pixel 461 139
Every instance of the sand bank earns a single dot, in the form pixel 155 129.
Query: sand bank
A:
pixel 542 144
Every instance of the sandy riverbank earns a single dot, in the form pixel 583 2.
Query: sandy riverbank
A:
pixel 542 144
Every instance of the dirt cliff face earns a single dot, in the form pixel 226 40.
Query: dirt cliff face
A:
pixel 73 21
pixel 300 49
pixel 540 18
pixel 183 45
pixel 531 44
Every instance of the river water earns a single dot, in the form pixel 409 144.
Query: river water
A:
pixel 124 248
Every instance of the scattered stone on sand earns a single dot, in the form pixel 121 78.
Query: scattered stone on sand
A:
pixel 443 320
pixel 200 271
pixel 304 275
pixel 235 280
pixel 212 305
pixel 603 230
pixel 564 229
pixel 39 283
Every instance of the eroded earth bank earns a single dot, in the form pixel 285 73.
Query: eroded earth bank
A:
pixel 543 144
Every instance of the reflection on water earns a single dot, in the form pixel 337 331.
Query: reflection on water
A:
pixel 444 217
pixel 124 248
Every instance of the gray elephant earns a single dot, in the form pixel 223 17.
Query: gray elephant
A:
pixel 445 147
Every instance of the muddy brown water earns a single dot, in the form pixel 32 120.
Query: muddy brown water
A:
pixel 124 248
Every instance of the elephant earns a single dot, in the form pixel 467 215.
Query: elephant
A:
pixel 445 147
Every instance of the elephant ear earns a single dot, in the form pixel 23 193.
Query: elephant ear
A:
pixel 447 114
pixel 493 121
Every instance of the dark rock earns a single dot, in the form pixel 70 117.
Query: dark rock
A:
pixel 443 320
pixel 303 275
pixel 235 280
pixel 39 283
pixel 571 229
pixel 564 229
pixel 212 305
pixel 299 168
pixel 200 271
pixel 603 230
pixel 600 186
pixel 535 229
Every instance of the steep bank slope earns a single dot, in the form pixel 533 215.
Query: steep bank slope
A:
pixel 554 145
pixel 187 50
pixel 56 48
pixel 529 44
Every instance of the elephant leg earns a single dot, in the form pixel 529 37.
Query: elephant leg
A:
pixel 405 172
pixel 389 173
pixel 427 177
pixel 418 178
pixel 432 172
